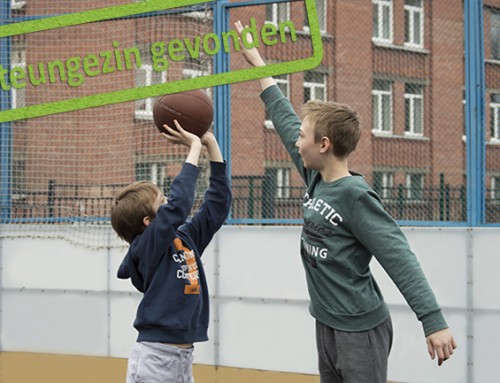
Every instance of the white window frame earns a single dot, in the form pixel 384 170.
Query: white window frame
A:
pixel 380 7
pixel 495 121
pixel 283 80
pixel 147 113
pixel 18 59
pixel 17 4
pixel 409 188
pixel 412 100
pixel 147 68
pixel 380 96
pixel 494 181
pixel 387 184
pixel 276 8
pixel 321 10
pixel 313 86
pixel 464 104
pixel 495 34
pixel 282 183
pixel 411 14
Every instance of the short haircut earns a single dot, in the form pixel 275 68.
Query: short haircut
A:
pixel 132 205
pixel 339 122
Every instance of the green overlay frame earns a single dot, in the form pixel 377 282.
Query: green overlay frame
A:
pixel 136 93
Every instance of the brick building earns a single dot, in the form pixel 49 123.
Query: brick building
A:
pixel 399 63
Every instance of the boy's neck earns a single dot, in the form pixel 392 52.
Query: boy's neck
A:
pixel 334 169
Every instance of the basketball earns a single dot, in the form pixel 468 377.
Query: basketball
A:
pixel 192 109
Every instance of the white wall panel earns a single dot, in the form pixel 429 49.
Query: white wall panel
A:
pixel 409 360
pixel 486 261
pixel 115 284
pixel 270 336
pixel 261 262
pixel 52 264
pixel 442 255
pixel 54 322
pixel 122 336
pixel 486 362
pixel 64 298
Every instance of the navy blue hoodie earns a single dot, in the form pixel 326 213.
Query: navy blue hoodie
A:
pixel 164 262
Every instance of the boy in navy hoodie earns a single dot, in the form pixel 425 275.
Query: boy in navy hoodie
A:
pixel 163 261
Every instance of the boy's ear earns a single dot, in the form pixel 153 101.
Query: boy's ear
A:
pixel 146 221
pixel 325 145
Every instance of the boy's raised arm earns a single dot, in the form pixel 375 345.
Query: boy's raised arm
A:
pixel 214 154
pixel 252 56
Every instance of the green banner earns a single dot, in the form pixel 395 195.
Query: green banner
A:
pixel 270 35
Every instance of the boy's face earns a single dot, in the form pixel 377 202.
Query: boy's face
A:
pixel 308 149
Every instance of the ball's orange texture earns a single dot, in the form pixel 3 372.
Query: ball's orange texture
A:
pixel 193 110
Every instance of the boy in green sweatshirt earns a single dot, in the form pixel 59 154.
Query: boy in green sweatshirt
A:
pixel 345 225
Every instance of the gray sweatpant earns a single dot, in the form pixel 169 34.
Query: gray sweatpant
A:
pixel 152 362
pixel 353 357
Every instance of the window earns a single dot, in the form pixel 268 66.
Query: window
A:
pixel 144 76
pixel 17 4
pixel 150 171
pixel 382 20
pixel 415 186
pixel 495 35
pixel 283 183
pixel 314 86
pixel 414 110
pixel 382 106
pixel 414 23
pixel 495 188
pixel 283 83
pixel 383 183
pixel 277 183
pixel 276 13
pixel 495 117
pixel 18 59
pixel 195 68
pixel 18 178
pixel 321 10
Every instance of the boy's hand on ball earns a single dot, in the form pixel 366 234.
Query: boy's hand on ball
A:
pixel 207 138
pixel 179 135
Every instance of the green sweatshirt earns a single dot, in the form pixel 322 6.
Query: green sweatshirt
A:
pixel 345 225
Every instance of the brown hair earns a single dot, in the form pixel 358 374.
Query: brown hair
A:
pixel 336 121
pixel 132 205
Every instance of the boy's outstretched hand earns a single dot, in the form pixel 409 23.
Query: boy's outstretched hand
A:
pixel 251 55
pixel 442 344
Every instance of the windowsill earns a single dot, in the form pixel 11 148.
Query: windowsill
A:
pixel 306 31
pixel 413 137
pixel 406 48
pixel 493 61
pixel 198 15
pixel 268 124
pixel 492 141
pixel 143 116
